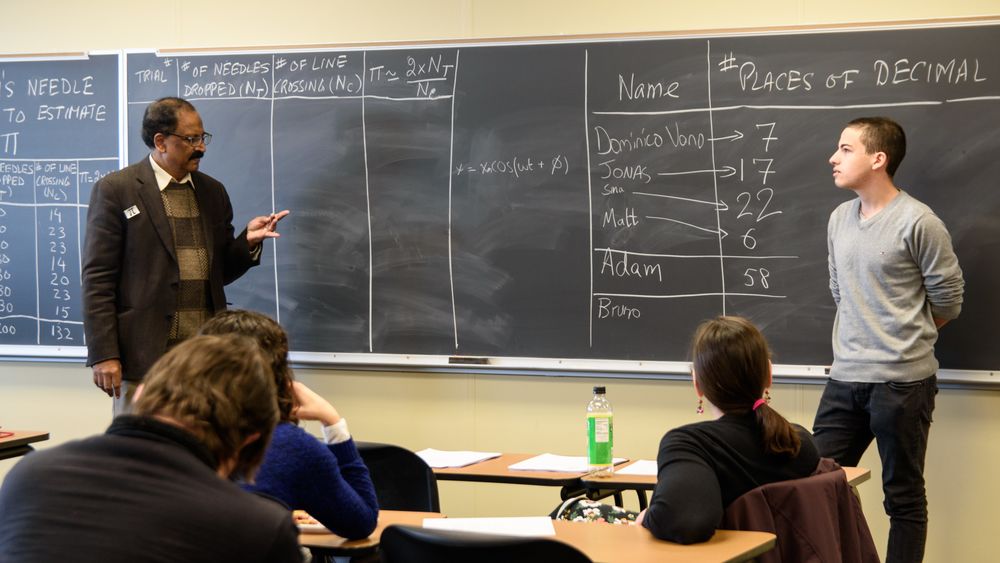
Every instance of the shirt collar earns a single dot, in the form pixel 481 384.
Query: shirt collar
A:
pixel 149 428
pixel 163 178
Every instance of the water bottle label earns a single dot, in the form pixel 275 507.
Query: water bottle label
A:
pixel 599 440
pixel 602 430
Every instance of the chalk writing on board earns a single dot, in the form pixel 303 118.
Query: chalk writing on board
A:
pixel 662 195
pixel 61 121
pixel 516 166
pixel 629 89
pixel 901 71
pixel 640 186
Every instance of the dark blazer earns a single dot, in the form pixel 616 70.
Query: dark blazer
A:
pixel 130 270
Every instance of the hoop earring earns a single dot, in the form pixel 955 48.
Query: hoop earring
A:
pixel 701 407
pixel 767 396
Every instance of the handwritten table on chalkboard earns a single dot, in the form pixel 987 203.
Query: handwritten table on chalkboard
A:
pixel 59 131
pixel 583 199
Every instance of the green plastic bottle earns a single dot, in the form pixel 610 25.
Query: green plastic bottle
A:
pixel 600 434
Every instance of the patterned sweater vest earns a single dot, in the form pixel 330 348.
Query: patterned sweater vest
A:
pixel 193 297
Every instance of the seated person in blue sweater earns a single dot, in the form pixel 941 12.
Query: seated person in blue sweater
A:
pixel 328 480
pixel 705 466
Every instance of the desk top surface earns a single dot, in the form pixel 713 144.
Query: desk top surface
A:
pixel 21 438
pixel 385 518
pixel 496 471
pixel 855 476
pixel 608 543
pixel 601 542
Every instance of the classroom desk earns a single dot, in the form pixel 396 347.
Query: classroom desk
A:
pixel 332 544
pixel 496 471
pixel 601 486
pixel 855 476
pixel 17 445
pixel 574 484
pixel 603 543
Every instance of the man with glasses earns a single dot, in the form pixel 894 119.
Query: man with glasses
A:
pixel 159 248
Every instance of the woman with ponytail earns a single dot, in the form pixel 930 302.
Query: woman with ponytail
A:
pixel 705 466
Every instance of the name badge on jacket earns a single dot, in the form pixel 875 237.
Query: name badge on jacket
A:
pixel 131 212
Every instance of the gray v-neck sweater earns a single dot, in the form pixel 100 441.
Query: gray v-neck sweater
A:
pixel 890 275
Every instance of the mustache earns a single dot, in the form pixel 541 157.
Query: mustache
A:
pixel 197 154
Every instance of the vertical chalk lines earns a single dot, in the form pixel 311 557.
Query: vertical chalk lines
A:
pixel 416 79
pixel 368 198
pixel 451 164
pixel 274 243
pixel 715 175
pixel 590 194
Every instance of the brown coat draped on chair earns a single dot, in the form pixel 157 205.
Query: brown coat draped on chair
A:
pixel 816 519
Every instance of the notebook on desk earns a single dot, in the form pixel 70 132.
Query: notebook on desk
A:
pixel 525 526
pixel 439 459
pixel 561 463
pixel 640 467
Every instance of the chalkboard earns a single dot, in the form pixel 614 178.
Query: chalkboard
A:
pixel 59 133
pixel 584 199
pixel 442 201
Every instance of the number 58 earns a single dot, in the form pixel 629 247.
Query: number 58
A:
pixel 754 276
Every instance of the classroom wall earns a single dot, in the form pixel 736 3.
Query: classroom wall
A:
pixel 485 412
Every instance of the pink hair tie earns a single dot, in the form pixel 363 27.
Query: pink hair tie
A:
pixel 758 403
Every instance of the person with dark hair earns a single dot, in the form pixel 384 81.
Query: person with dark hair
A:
pixel 159 248
pixel 328 480
pixel 896 281
pixel 705 466
pixel 204 415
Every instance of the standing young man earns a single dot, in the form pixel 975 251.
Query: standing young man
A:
pixel 896 281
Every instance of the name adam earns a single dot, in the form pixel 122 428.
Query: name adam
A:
pixel 617 264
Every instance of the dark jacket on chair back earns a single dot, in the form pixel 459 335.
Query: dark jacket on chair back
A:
pixel 816 519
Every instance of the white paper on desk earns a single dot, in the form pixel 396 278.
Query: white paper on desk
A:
pixel 552 462
pixel 443 458
pixel 639 467
pixel 528 526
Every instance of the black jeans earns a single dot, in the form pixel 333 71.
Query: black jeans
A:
pixel 898 417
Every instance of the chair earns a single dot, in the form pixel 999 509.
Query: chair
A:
pixel 816 519
pixel 402 480
pixel 409 544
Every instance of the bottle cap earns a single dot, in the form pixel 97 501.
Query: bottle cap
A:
pixel 599 390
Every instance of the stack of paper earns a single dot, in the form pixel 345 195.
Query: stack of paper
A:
pixel 442 458
pixel 552 462
pixel 646 467
pixel 528 526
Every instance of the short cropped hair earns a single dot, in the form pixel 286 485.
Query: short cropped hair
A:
pixel 273 344
pixel 161 117
pixel 220 389
pixel 881 134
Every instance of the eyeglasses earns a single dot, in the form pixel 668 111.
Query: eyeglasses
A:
pixel 194 140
